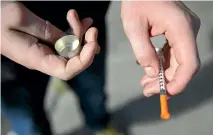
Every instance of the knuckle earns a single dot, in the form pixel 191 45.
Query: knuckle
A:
pixel 47 30
pixel 17 13
pixel 145 61
pixel 126 25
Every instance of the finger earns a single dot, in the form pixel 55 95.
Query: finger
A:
pixel 137 32
pixel 86 23
pixel 24 20
pixel 151 85
pixel 151 88
pixel 25 50
pixel 170 74
pixel 186 54
pixel 146 79
pixel 180 80
pixel 91 36
pixel 75 23
pixel 79 63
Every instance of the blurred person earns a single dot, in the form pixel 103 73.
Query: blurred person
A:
pixel 25 58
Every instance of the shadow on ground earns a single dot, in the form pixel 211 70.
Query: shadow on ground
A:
pixel 146 110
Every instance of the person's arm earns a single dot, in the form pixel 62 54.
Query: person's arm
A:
pixel 22 30
pixel 143 20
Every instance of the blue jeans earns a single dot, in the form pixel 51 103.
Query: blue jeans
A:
pixel 23 107
pixel 21 111
pixel 16 109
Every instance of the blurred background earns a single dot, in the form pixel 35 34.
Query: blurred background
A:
pixel 191 111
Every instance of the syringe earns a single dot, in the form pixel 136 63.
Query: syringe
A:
pixel 165 115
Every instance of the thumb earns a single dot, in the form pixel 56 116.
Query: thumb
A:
pixel 137 32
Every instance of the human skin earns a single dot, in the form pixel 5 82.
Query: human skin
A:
pixel 20 41
pixel 143 20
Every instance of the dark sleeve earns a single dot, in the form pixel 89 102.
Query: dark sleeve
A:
pixel 56 11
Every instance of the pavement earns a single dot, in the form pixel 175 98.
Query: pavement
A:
pixel 134 114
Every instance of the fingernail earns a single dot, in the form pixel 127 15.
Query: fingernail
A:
pixel 150 94
pixel 150 71
pixel 71 12
pixel 75 13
